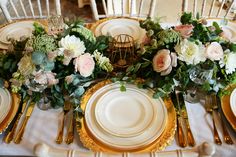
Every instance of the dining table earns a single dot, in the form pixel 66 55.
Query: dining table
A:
pixel 42 127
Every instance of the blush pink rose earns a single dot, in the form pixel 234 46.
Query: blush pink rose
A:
pixel 46 78
pixel 214 51
pixel 184 30
pixel 84 64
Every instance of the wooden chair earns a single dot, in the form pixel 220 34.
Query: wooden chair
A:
pixel 124 8
pixel 210 8
pixel 28 9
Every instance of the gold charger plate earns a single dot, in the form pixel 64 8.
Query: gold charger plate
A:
pixel 11 114
pixel 91 142
pixel 225 105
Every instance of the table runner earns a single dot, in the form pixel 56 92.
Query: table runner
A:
pixel 42 127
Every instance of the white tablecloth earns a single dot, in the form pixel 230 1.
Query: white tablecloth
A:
pixel 42 127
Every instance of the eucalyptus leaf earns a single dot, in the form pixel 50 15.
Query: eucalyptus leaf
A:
pixel 38 57
pixel 79 91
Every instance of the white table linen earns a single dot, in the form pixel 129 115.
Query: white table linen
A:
pixel 42 128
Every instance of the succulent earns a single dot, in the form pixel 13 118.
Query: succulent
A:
pixel 44 43
pixel 84 32
pixel 167 37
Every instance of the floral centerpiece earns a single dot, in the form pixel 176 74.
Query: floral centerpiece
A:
pixel 190 55
pixel 56 66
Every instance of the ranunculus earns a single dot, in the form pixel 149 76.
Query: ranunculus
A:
pixel 163 61
pixel 190 52
pixel 84 64
pixel 214 51
pixel 228 62
pixel 184 30
pixel 46 78
pixel 72 45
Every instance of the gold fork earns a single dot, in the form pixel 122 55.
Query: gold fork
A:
pixel 66 109
pixel 226 135
pixel 70 131
pixel 209 109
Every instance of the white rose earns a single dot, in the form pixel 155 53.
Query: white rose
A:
pixel 84 64
pixel 214 51
pixel 190 52
pixel 228 61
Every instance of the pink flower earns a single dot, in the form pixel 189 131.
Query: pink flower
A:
pixel 184 30
pixel 84 64
pixel 214 51
pixel 46 78
pixel 146 40
pixel 163 61
pixel 69 79
pixel 52 55
pixel 226 34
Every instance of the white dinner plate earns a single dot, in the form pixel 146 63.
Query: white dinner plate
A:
pixel 233 102
pixel 5 103
pixel 104 101
pixel 119 26
pixel 124 114
pixel 16 30
pixel 229 28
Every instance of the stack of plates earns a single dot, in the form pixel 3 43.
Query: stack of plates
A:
pixel 117 26
pixel 228 105
pixel 5 103
pixel 15 30
pixel 125 120
pixel 233 102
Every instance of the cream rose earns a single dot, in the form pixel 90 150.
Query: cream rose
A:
pixel 84 64
pixel 163 61
pixel 184 30
pixel 214 51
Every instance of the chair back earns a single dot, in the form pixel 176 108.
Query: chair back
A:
pixel 28 9
pixel 124 8
pixel 210 8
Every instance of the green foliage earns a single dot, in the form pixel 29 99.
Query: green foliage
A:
pixel 186 18
pixel 38 29
pixel 38 57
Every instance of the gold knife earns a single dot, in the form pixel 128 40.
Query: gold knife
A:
pixel 20 134
pixel 180 133
pixel 9 136
pixel 184 113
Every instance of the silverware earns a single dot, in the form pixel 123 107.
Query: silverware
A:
pixel 9 136
pixel 66 109
pixel 70 131
pixel 209 109
pixel 20 134
pixel 180 100
pixel 180 134
pixel 226 136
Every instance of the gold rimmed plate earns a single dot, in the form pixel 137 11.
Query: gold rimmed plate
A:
pixel 11 114
pixel 225 105
pixel 95 137
pixel 119 25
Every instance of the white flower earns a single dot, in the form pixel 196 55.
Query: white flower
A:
pixel 228 62
pixel 102 61
pixel 190 52
pixel 73 45
pixel 214 51
pixel 84 64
